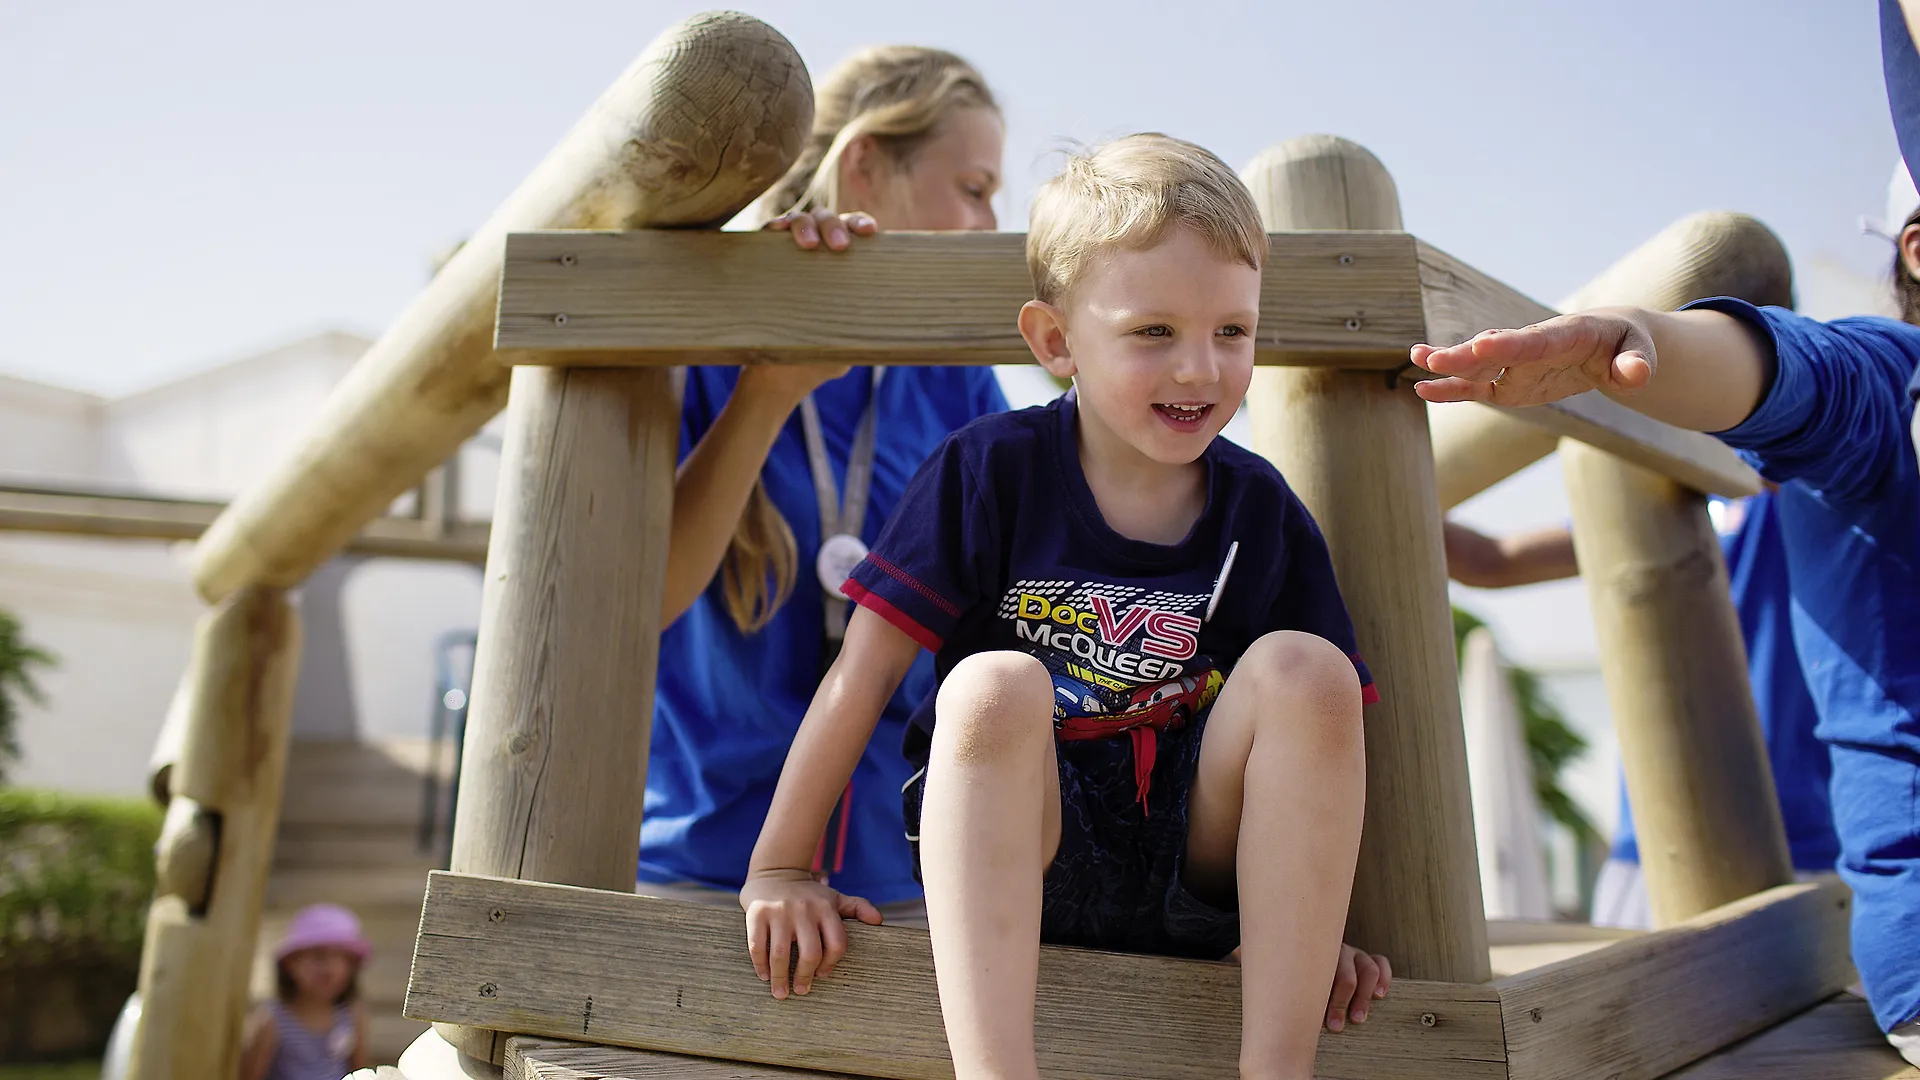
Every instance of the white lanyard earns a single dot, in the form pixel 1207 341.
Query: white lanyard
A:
pixel 841 520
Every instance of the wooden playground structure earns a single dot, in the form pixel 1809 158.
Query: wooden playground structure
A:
pixel 534 955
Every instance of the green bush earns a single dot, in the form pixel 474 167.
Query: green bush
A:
pixel 18 659
pixel 76 876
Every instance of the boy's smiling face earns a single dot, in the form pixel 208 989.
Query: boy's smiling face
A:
pixel 1159 343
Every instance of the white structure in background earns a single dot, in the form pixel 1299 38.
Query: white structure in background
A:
pixel 119 614
pixel 1506 815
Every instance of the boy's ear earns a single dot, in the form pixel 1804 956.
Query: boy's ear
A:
pixel 1045 328
pixel 1910 250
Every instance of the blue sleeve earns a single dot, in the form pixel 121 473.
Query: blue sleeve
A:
pixel 1836 415
pixel 702 394
pixel 933 560
pixel 1309 600
pixel 1901 66
pixel 988 398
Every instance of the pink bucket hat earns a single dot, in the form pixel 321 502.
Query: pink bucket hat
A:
pixel 323 925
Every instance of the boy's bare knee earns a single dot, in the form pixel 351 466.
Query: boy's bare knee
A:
pixel 1311 675
pixel 990 703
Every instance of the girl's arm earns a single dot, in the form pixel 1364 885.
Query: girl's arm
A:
pixel 786 908
pixel 711 490
pixel 258 1044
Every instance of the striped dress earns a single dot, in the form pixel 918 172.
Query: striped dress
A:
pixel 304 1055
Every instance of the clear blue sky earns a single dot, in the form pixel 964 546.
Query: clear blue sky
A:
pixel 183 183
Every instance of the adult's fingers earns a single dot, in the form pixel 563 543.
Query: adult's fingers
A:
pixel 1366 977
pixel 1450 389
pixel 1344 980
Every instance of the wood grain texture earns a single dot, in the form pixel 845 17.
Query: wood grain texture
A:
pixel 1461 301
pixel 1675 667
pixel 636 971
pixel 93 513
pixel 1707 254
pixel 710 114
pixel 1476 446
pixel 559 1059
pixel 216 846
pixel 1350 300
pixel 1835 1040
pixel 1355 448
pixel 555 758
pixel 1648 1005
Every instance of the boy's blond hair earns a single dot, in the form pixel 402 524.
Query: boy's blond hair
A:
pixel 1126 195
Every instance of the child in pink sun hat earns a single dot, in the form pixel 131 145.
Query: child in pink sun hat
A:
pixel 314 1029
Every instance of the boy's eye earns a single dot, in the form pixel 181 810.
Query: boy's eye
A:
pixel 1233 331
pixel 1155 331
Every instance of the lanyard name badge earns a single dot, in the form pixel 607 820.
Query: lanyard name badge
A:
pixel 841 517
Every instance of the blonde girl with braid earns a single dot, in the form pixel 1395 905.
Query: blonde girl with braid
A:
pixel 904 138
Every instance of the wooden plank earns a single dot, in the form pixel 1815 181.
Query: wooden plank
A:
pixel 138 517
pixel 560 1059
pixel 657 974
pixel 1835 1040
pixel 1461 301
pixel 1650 1004
pixel 1346 299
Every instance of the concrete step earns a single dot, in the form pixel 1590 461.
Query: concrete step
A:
pixel 358 889
pixel 349 847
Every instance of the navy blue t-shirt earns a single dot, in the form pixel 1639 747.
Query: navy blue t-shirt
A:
pixel 998 544
pixel 1763 600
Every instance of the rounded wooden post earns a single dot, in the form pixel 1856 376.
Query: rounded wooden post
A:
pixel 216 846
pixel 1356 449
pixel 712 113
pixel 1676 672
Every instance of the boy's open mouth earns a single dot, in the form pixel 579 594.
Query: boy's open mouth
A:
pixel 1184 417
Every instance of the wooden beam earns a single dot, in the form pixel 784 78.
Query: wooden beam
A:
pixel 216 845
pixel 1835 1040
pixel 1461 301
pixel 583 298
pixel 1355 448
pixel 713 112
pixel 1696 764
pixel 636 971
pixel 140 517
pixel 1650 1004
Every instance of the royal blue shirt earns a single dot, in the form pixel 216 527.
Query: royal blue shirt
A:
pixel 1757 579
pixel 728 704
pixel 1832 431
pixel 1900 63
pixel 998 544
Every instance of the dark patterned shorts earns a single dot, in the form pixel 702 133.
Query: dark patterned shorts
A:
pixel 1115 883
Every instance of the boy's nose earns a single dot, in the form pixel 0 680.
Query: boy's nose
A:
pixel 1196 367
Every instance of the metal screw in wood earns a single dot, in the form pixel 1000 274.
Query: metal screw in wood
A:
pixel 1428 1020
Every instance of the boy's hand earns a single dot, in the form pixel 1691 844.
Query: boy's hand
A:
pixel 1359 981
pixel 1609 349
pixel 788 912
pixel 810 227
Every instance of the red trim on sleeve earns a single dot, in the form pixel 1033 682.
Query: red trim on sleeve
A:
pixel 903 622
pixel 913 583
pixel 1369 693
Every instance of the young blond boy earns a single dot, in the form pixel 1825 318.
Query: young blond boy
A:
pixel 1147 732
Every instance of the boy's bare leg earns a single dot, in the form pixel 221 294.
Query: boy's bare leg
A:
pixel 989 826
pixel 1279 795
